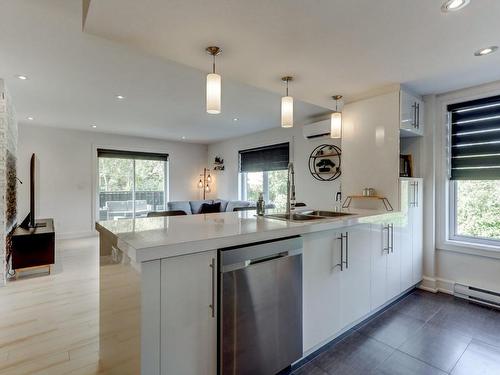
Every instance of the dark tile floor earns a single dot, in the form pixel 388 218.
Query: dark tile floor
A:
pixel 422 334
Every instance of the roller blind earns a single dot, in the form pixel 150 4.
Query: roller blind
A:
pixel 268 158
pixel 475 139
pixel 118 154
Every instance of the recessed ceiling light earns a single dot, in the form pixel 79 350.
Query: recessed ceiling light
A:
pixel 235 119
pixel 94 126
pixel 485 51
pixel 120 97
pixel 454 5
pixel 30 118
pixel 21 77
pixel 183 137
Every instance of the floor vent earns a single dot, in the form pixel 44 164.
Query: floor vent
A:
pixel 482 296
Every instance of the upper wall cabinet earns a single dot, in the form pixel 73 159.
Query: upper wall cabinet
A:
pixel 411 114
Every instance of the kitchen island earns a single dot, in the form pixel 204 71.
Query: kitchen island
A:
pixel 158 283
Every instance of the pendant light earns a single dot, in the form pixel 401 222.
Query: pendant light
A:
pixel 287 106
pixel 213 84
pixel 336 119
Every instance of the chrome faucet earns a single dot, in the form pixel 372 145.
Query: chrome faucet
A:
pixel 290 191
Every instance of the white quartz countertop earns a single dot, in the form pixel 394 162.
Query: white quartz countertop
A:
pixel 145 239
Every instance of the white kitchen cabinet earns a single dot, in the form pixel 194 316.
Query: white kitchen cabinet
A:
pixel 188 320
pixel 355 277
pixel 385 263
pixel 411 190
pixel 336 274
pixel 415 216
pixel 393 260
pixel 403 236
pixel 370 148
pixel 379 249
pixel 321 287
pixel 411 115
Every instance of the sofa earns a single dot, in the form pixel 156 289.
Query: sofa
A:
pixel 194 207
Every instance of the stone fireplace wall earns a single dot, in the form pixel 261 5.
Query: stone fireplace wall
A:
pixel 8 175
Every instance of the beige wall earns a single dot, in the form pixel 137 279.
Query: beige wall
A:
pixel 447 262
pixel 66 172
pixel 317 194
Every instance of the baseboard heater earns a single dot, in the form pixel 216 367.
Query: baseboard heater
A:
pixel 477 295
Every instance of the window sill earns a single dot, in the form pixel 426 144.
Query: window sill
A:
pixel 470 248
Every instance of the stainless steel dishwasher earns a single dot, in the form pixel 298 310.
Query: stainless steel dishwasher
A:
pixel 260 305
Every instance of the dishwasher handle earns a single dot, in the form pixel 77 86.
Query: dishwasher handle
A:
pixel 253 262
pixel 269 258
pixel 243 256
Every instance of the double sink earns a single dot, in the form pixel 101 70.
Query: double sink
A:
pixel 307 215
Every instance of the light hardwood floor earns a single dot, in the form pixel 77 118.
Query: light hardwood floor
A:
pixel 50 324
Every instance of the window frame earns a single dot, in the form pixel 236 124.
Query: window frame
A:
pixel 274 141
pixel 446 237
pixel 128 148
pixel 243 183
pixel 452 221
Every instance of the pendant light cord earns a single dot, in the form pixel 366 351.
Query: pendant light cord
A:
pixel 287 87
pixel 213 64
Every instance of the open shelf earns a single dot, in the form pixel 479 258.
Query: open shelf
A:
pixel 384 200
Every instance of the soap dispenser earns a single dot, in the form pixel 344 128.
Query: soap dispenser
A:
pixel 261 205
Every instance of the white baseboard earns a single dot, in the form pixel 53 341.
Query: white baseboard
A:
pixel 436 284
pixel 428 284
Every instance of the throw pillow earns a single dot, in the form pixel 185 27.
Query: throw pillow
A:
pixel 209 208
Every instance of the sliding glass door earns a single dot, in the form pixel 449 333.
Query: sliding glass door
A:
pixel 131 184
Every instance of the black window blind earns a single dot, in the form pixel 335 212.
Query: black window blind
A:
pixel 475 139
pixel 119 154
pixel 268 158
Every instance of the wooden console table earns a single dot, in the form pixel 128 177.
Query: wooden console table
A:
pixel 34 247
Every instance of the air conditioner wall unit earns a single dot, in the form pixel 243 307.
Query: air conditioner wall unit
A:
pixel 317 130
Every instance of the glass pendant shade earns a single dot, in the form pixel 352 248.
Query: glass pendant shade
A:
pixel 286 112
pixel 207 188
pixel 213 93
pixel 200 184
pixel 209 178
pixel 336 125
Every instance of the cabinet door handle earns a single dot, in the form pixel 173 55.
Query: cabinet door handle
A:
pixel 417 122
pixel 384 249
pixel 391 227
pixel 341 264
pixel 417 202
pixel 414 203
pixel 414 115
pixel 212 305
pixel 346 250
pixel 415 109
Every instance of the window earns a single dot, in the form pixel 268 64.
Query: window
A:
pixel 131 184
pixel 475 171
pixel 264 170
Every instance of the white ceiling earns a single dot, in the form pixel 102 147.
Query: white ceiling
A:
pixel 332 46
pixel 74 77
